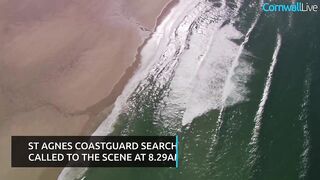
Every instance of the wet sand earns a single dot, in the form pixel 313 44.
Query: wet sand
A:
pixel 62 65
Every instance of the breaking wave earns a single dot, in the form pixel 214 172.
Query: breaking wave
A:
pixel 259 114
pixel 189 66
pixel 304 162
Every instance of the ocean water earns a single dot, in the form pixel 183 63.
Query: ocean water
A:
pixel 240 87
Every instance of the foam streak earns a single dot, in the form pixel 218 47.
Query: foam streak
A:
pixel 265 95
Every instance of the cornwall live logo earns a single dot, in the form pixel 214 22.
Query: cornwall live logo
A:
pixel 290 6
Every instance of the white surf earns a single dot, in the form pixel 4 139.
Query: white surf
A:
pixel 192 50
pixel 266 91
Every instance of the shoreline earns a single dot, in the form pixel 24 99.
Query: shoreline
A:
pixel 105 106
pixel 120 85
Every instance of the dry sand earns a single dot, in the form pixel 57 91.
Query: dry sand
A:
pixel 62 65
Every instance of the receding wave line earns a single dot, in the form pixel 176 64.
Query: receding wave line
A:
pixel 304 162
pixel 258 117
pixel 228 84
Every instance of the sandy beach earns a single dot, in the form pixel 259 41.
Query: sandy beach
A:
pixel 62 65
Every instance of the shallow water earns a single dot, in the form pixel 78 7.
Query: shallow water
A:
pixel 239 86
